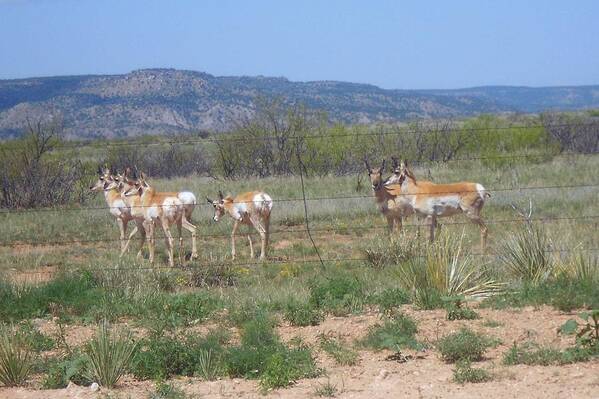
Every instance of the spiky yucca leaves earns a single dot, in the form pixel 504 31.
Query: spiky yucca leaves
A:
pixel 580 267
pixel 444 268
pixel 16 359
pixel 110 356
pixel 526 254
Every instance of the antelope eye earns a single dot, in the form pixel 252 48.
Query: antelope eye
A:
pixel 101 177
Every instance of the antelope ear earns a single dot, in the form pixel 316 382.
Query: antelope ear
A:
pixel 395 161
pixel 142 175
pixel 220 195
pixel 367 165
pixel 127 171
pixel 383 166
pixel 100 170
pixel 209 201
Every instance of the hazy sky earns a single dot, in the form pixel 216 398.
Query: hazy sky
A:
pixel 393 44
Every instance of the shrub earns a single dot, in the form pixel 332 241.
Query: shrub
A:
pixel 384 251
pixel 161 357
pixel 326 390
pixel 287 366
pixel 339 295
pixel 444 270
pixel 587 333
pixel 72 367
pixel 526 254
pixel 16 358
pixel 389 300
pixel 302 314
pixel 464 372
pixel 110 356
pixel 463 345
pixel 456 310
pixel 167 391
pixel 395 333
pixel 343 356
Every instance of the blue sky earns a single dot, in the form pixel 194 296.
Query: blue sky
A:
pixel 392 44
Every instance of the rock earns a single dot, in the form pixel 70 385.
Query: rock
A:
pixel 382 375
pixel 94 387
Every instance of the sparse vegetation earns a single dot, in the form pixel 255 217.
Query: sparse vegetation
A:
pixel 464 372
pixel 16 358
pixel 463 345
pixel 343 355
pixel 396 333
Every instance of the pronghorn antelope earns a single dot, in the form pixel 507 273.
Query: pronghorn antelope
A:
pixel 133 203
pixel 117 207
pixel 393 207
pixel 164 209
pixel 438 200
pixel 252 209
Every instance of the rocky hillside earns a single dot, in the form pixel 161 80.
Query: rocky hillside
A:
pixel 164 101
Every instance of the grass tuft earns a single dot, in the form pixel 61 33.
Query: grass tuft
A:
pixel 463 345
pixel 394 334
pixel 16 358
pixel 110 356
pixel 343 356
pixel 464 372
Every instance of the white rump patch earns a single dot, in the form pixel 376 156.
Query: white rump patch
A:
pixel 187 198
pixel 481 190
pixel 263 202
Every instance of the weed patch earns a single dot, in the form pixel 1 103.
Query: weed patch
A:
pixel 464 372
pixel 394 334
pixel 463 345
pixel 343 356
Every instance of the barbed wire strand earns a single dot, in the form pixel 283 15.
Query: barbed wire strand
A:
pixel 334 229
pixel 299 199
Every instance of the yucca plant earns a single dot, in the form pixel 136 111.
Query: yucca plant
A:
pixel 16 358
pixel 580 267
pixel 526 254
pixel 445 269
pixel 208 367
pixel 110 356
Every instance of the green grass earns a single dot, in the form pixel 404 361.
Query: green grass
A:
pixel 302 314
pixel 532 354
pixel 463 345
pixel 16 359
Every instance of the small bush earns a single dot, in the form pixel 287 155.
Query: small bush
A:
pixel 61 371
pixel 167 391
pixel 287 366
pixel 302 314
pixel 161 357
pixel 110 357
pixel 326 390
pixel 463 345
pixel 464 372
pixel 339 295
pixel 386 251
pixel 389 300
pixel 456 310
pixel 343 356
pixel 395 333
pixel 16 358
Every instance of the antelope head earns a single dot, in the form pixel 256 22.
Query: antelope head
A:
pixel 375 175
pixel 137 186
pixel 219 206
pixel 105 180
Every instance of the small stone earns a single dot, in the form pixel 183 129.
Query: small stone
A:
pixel 94 387
pixel 382 375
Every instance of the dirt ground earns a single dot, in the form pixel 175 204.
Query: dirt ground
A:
pixel 425 376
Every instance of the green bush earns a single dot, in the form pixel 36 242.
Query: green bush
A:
pixel 389 300
pixel 72 367
pixel 464 372
pixel 286 366
pixel 395 333
pixel 302 314
pixel 463 345
pixel 161 357
pixel 339 295
pixel 343 356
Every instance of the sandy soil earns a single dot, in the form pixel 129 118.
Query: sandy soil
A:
pixel 426 376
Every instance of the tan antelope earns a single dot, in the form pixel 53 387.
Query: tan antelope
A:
pixel 393 207
pixel 433 200
pixel 252 209
pixel 117 207
pixel 133 203
pixel 163 209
